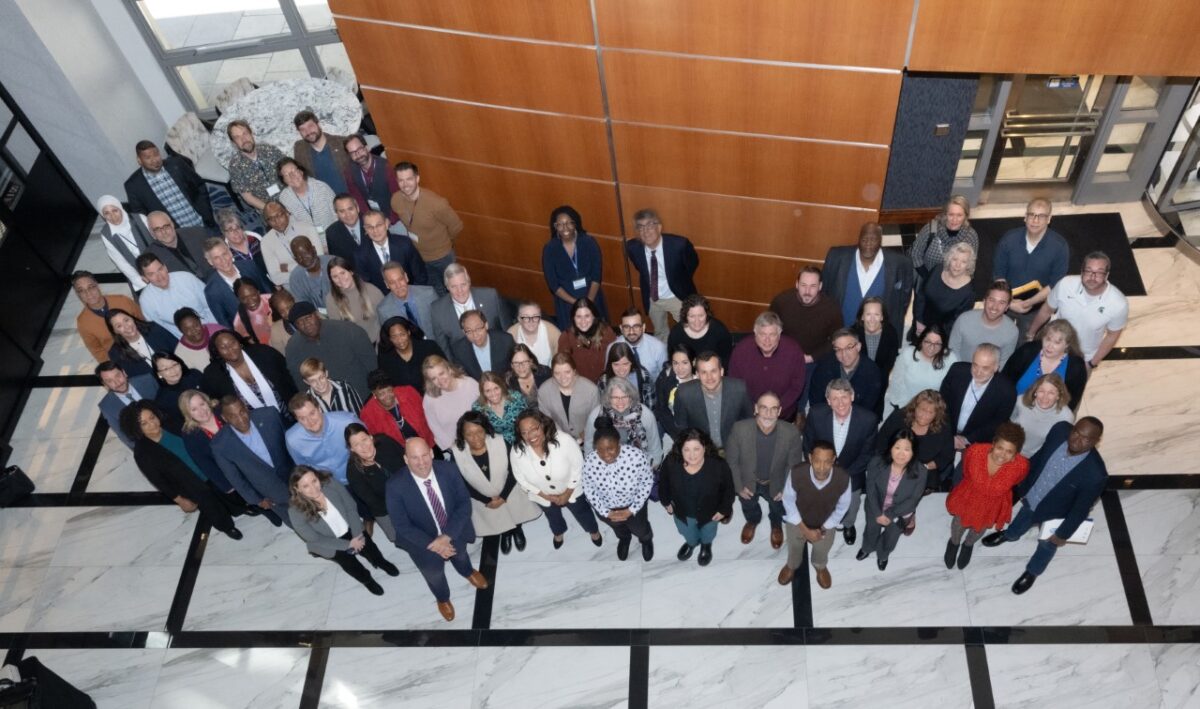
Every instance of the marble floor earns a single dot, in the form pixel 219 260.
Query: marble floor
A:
pixel 94 588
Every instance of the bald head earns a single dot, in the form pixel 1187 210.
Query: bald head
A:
pixel 418 457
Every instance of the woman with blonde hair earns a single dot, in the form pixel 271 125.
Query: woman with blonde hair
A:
pixel 1043 404
pixel 935 238
pixel 352 299
pixel 200 423
pixel 449 393
pixel 943 297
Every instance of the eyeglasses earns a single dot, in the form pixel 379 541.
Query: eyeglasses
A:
pixel 848 348
pixel 1093 272
pixel 931 343
pixel 639 326
pixel 1035 216
pixel 161 229
pixel 529 318
pixel 521 362
pixel 473 330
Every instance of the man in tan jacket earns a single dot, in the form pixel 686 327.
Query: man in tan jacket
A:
pixel 96 305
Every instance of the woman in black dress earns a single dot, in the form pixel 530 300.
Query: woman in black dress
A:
pixel 946 296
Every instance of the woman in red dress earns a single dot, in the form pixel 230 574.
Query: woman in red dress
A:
pixel 983 500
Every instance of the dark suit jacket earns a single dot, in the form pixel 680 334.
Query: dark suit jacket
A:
pixel 415 526
pixel 217 383
pixel 885 354
pixel 994 407
pixel 166 472
pixel 690 410
pixel 193 239
pixel 220 296
pixel 897 280
pixel 681 264
pixel 860 439
pixel 444 325
pixel 867 381
pixel 904 500
pixel 249 474
pixel 402 251
pixel 111 407
pixel 143 200
pixel 1072 498
pixel 1024 356
pixel 340 241
pixel 500 345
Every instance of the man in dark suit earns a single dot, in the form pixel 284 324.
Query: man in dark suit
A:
pixel 1065 480
pixel 851 428
pixel 218 290
pixel 382 246
pixel 846 362
pixel 344 236
pixel 122 391
pixel 854 273
pixel 481 350
pixel 178 249
pixel 168 185
pixel 402 299
pixel 978 398
pixel 428 503
pixel 712 388
pixel 447 309
pixel 665 264
pixel 252 452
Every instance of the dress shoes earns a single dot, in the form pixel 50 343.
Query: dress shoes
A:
pixel 862 554
pixel 505 543
pixel 477 580
pixel 374 587
pixel 623 549
pixel 964 556
pixel 705 554
pixel 647 550
pixel 446 608
pixel 994 539
pixel 234 534
pixel 1023 584
pixel 786 574
pixel 685 552
pixel 558 542
pixel 881 563
pixel 849 535
pixel 518 538
pixel 951 554
pixel 824 579
pixel 598 540
pixel 776 537
pixel 910 527
pixel 388 568
pixel 748 533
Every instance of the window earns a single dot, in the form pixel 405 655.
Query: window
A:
pixel 205 45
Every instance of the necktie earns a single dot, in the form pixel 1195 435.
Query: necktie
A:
pixel 654 275
pixel 386 255
pixel 412 317
pixel 439 512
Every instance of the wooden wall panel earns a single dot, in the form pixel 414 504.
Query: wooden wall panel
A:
pixel 754 98
pixel 565 145
pixel 516 196
pixel 558 21
pixel 865 33
pixel 1156 37
pixel 502 72
pixel 799 171
pixel 761 226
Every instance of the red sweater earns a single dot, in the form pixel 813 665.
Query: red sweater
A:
pixel 379 420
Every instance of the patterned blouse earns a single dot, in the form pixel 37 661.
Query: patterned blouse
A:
pixel 624 484
pixel 506 425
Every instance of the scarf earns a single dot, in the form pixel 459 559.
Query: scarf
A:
pixel 254 400
pixel 124 230
pixel 629 425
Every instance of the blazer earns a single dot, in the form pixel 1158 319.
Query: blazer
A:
pixel 222 301
pixel 415 527
pixel 157 338
pixel 370 486
pixel 867 381
pixel 199 446
pixel 142 199
pixel 500 345
pixel 401 250
pixel 217 382
pixel 563 469
pixel 166 472
pixel 94 332
pixel 584 397
pixel 716 489
pixel 443 321
pixel 111 406
pixel 193 239
pixel 860 439
pixel 994 407
pixel 690 410
pixel 1072 498
pixel 897 273
pixel 1024 356
pixel 316 533
pixel 380 422
pixel 420 301
pixel 339 242
pixel 741 452
pixel 680 265
pixel 904 500
pixel 252 477
pixel 409 373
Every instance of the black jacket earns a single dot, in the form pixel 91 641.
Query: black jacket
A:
pixel 994 407
pixel 142 199
pixel 860 439
pixel 217 382
pixel 715 487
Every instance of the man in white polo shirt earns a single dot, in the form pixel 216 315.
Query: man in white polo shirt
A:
pixel 1097 309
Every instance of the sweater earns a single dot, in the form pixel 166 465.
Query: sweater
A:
pixel 816 504
pixel 430 221
pixel 809 325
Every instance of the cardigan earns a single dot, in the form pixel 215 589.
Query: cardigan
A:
pixel 559 471
pixel 381 421
pixel 497 481
pixel 715 491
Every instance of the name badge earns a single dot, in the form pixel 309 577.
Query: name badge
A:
pixel 579 283
pixel 272 190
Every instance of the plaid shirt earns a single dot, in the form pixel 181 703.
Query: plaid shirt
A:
pixel 255 176
pixel 180 209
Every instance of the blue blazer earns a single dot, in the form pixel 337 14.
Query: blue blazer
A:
pixel 111 406
pixel 221 299
pixel 560 272
pixel 1073 497
pixel 415 527
pixel 681 264
pixel 249 475
pixel 401 249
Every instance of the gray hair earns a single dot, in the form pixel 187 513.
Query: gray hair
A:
pixel 227 216
pixel 623 384
pixel 839 384
pixel 1098 256
pixel 989 348
pixel 961 248
pixel 767 319
pixel 454 269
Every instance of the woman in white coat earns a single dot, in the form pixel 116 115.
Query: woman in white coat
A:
pixel 497 507
pixel 548 464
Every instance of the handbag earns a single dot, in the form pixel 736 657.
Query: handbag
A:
pixel 15 485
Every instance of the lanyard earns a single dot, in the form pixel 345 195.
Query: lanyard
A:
pixel 411 215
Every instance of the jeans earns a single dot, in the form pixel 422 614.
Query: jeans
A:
pixel 695 533
pixel 753 512
pixel 433 568
pixel 580 509
pixel 1045 548
pixel 437 270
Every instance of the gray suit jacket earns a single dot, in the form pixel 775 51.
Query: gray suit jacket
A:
pixel 193 239
pixel 741 452
pixel 691 413
pixel 908 492
pixel 317 534
pixel 111 406
pixel 574 422
pixel 444 321
pixel 421 300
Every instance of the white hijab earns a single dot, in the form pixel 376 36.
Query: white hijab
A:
pixel 125 228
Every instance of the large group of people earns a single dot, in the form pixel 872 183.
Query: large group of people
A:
pixel 340 374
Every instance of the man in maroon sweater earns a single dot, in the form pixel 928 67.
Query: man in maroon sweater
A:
pixel 769 361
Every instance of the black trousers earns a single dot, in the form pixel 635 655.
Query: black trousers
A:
pixel 636 526
pixel 213 506
pixel 350 563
